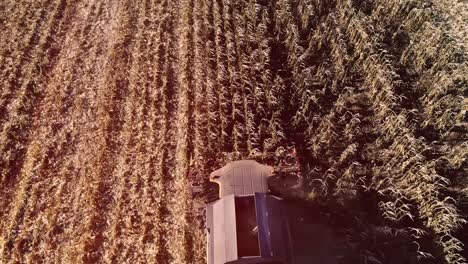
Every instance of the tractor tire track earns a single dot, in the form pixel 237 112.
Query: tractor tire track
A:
pixel 167 162
pixel 110 96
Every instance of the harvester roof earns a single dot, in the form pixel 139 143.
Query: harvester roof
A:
pixel 243 177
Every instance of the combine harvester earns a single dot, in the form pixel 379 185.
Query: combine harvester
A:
pixel 247 224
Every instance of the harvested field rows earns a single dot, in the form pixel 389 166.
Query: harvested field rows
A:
pixel 110 110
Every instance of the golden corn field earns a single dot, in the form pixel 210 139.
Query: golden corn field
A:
pixel 109 110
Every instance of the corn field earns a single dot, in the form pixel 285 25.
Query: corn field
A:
pixel 110 110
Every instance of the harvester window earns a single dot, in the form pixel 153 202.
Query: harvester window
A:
pixel 246 227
